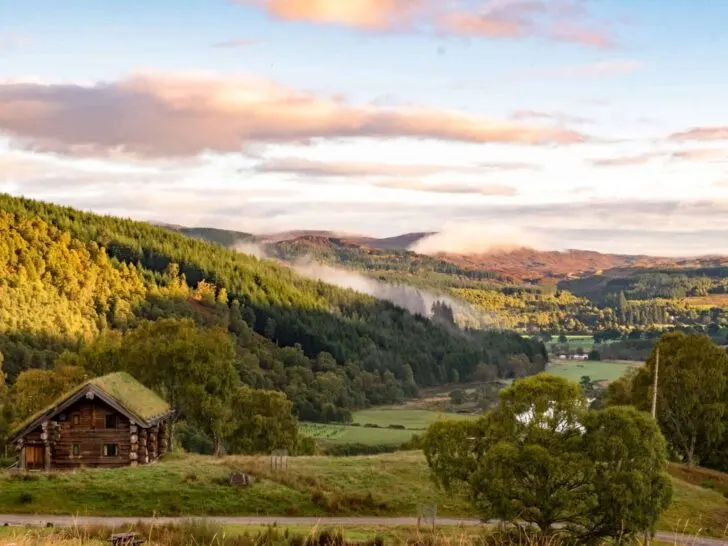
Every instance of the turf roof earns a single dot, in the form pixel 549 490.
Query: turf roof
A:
pixel 137 400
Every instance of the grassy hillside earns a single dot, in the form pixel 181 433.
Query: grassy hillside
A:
pixel 66 276
pixel 392 484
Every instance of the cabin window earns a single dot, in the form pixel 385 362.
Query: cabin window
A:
pixel 62 418
pixel 76 419
pixel 76 450
pixel 111 450
pixel 112 421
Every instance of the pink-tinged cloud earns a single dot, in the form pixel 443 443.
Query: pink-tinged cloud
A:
pixel 182 115
pixel 701 134
pixel 625 161
pixel 559 20
pixel 471 24
pixel 365 14
pixel 305 167
pixel 701 154
pixel 582 35
pixel 559 117
pixel 451 188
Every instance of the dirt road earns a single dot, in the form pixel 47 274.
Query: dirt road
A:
pixel 70 521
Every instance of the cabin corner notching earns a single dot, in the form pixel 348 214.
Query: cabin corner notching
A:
pixel 107 422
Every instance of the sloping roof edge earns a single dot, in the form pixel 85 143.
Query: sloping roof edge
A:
pixel 73 396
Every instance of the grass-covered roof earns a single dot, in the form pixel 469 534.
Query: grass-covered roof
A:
pixel 120 389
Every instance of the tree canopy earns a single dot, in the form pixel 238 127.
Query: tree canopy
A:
pixel 542 457
pixel 692 394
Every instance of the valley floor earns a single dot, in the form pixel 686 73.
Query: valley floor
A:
pixel 390 485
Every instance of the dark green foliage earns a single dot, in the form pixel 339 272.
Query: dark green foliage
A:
pixel 692 396
pixel 542 457
pixel 352 450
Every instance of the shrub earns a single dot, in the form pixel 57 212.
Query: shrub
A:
pixel 25 497
pixel 707 484
pixel 371 425
pixel 398 427
pixel 347 450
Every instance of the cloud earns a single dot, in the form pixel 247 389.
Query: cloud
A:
pixel 307 167
pixel 237 42
pixel 559 117
pixel 509 166
pixel 13 40
pixel 156 115
pixel 599 69
pixel 625 161
pixel 701 134
pixel 557 20
pixel 474 238
pixel 453 188
pixel 700 154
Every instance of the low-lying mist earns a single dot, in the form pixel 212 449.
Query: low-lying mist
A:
pixel 472 238
pixel 415 300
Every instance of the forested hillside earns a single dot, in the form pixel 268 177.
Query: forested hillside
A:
pixel 68 279
pixel 651 297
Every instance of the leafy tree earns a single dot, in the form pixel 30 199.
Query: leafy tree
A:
pixel 543 458
pixel 628 473
pixel 261 421
pixel 35 389
pixel 586 384
pixel 457 397
pixel 692 393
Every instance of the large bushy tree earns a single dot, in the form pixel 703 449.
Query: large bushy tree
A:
pixel 692 394
pixel 542 457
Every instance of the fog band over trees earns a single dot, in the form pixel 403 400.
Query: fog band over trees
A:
pixel 415 300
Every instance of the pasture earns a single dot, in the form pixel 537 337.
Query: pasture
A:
pixel 586 342
pixel 414 421
pixel 346 434
pixel 605 370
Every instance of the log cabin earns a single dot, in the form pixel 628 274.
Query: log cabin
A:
pixel 106 422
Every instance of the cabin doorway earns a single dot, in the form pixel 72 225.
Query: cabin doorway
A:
pixel 35 457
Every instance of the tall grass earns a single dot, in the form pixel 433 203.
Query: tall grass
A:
pixel 203 533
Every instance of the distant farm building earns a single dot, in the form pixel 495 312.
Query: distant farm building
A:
pixel 107 422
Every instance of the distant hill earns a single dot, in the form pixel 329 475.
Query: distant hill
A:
pixel 573 291
pixel 521 264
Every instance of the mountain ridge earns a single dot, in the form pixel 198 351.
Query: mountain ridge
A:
pixel 521 264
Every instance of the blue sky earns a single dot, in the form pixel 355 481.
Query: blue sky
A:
pixel 557 123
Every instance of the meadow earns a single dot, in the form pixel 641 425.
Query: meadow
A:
pixel 394 484
pixel 414 421
pixel 605 370
pixel 586 342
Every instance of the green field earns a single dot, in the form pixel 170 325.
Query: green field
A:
pixel 596 370
pixel 410 418
pixel 385 485
pixel 343 434
pixel 415 421
pixel 586 342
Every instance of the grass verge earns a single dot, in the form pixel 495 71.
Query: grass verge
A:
pixel 383 485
